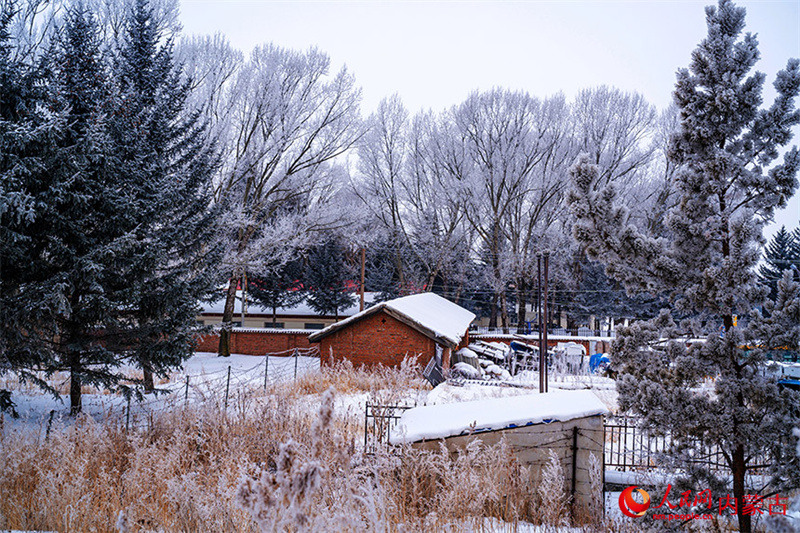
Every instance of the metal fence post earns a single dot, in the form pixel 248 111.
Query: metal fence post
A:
pixel 128 416
pixel 227 388
pixel 186 394
pixel 266 372
pixel 574 458
pixel 295 364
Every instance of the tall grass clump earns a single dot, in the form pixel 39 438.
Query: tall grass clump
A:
pixel 280 459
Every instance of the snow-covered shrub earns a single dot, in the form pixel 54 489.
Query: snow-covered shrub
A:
pixel 553 501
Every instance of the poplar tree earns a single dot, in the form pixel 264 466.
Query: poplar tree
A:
pixel 729 181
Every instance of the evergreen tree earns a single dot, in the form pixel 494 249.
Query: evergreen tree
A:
pixel 796 247
pixel 327 275
pixel 781 253
pixel 79 244
pixel 167 167
pixel 28 136
pixel 728 184
pixel 381 274
pixel 280 287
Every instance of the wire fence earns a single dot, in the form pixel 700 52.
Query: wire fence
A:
pixel 221 388
pixel 627 446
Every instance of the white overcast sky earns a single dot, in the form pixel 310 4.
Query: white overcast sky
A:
pixel 435 53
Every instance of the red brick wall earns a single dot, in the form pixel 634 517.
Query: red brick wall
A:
pixel 378 338
pixel 256 342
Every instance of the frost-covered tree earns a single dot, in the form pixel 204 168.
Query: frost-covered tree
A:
pixel 613 128
pixel 79 251
pixel 166 165
pixel 781 253
pixel 502 141
pixel 288 122
pixel 28 143
pixel 728 183
pixel 382 153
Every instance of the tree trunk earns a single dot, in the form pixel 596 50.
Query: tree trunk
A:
pixel 149 385
pixel 739 470
pixel 227 320
pixel 522 302
pixel 504 311
pixel 493 312
pixel 75 404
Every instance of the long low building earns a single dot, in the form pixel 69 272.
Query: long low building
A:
pixel 300 316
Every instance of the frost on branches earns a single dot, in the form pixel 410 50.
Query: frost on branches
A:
pixel 729 179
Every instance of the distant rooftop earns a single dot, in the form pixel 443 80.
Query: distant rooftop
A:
pixel 426 312
pixel 301 309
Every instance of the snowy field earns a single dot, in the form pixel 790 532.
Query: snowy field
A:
pixel 205 378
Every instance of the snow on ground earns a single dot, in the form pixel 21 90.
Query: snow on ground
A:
pixel 445 420
pixel 206 375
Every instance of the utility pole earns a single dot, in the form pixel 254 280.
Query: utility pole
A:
pixel 541 309
pixel 363 263
pixel 546 316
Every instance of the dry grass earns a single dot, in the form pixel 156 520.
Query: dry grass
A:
pixel 270 465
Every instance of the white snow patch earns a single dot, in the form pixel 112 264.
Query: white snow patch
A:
pixel 441 421
pixel 429 311
pixel 446 393
pixel 467 370
pixel 438 314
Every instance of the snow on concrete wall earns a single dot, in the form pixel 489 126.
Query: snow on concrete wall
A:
pixel 447 420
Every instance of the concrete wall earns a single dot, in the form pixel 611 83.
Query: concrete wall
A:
pixel 530 445
pixel 255 342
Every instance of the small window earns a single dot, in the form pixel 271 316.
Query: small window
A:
pixel 276 325
pixel 314 325
pixel 201 322
pixel 237 323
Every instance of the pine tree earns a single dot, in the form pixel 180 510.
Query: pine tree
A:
pixel 280 287
pixel 728 184
pixel 327 275
pixel 167 167
pixel 780 254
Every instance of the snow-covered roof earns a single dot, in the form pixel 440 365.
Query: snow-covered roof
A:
pixel 302 309
pixel 428 313
pixel 453 419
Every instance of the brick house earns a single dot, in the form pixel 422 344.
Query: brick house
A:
pixel 417 325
